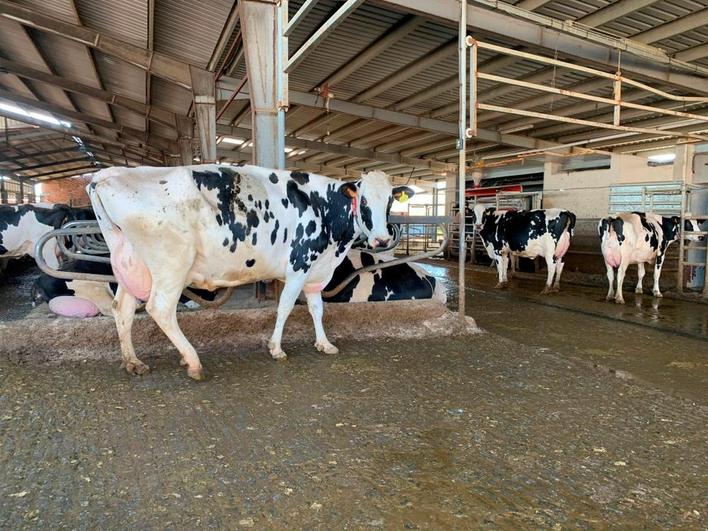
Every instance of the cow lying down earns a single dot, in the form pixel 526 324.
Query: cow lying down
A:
pixel 22 225
pixel 86 298
pixel 526 233
pixel 638 238
pixel 395 283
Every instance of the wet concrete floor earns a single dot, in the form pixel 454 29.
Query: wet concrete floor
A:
pixel 662 341
pixel 556 418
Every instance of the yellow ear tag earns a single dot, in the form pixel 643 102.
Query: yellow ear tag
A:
pixel 403 197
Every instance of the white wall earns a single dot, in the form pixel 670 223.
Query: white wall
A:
pixel 586 193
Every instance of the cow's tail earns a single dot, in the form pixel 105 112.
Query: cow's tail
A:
pixel 570 222
pixel 109 229
pixel 439 291
pixel 610 244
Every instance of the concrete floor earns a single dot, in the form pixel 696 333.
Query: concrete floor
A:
pixel 593 416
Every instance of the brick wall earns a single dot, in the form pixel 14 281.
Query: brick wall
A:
pixel 71 191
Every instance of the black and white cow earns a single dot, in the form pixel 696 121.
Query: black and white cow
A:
pixel 526 233
pixel 22 225
pixel 215 226
pixel 638 238
pixel 395 283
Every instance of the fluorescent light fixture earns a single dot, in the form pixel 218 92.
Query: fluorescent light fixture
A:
pixel 288 149
pixel 231 140
pixel 663 158
pixel 440 185
pixel 516 129
pixel 36 115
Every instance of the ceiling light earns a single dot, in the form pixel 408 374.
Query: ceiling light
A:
pixel 231 140
pixel 663 158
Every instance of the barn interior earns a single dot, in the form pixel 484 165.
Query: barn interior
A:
pixel 560 411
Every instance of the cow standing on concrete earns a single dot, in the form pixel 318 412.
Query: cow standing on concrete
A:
pixel 22 225
pixel 526 233
pixel 215 226
pixel 638 238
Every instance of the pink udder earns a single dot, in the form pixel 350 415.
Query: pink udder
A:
pixel 313 288
pixel 613 255
pixel 130 271
pixel 69 306
pixel 563 245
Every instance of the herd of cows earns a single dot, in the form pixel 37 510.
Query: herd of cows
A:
pixel 210 227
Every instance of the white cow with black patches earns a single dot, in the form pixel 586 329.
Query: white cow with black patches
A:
pixel 638 238
pixel 21 226
pixel 215 226
pixel 526 233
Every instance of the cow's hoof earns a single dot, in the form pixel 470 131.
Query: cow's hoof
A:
pixel 276 352
pixel 619 301
pixel 546 291
pixel 639 290
pixel 196 373
pixel 137 368
pixel 610 298
pixel 555 289
pixel 502 285
pixel 327 348
pixel 658 294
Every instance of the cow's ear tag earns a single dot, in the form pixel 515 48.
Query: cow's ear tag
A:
pixel 403 197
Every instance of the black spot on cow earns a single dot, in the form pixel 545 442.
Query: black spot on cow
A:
pixel 219 220
pixel 274 234
pixel 285 202
pixel 297 197
pixel 254 238
pixel 267 204
pixel 225 242
pixel 285 234
pixel 300 177
pixel 227 182
pixel 163 181
pixel 273 178
pixel 250 262
pixel 250 197
pixel 650 230
pixel 311 226
pixel 366 215
pixel 266 216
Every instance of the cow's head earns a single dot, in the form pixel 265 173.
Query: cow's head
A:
pixel 478 213
pixel 694 225
pixel 671 225
pixel 372 197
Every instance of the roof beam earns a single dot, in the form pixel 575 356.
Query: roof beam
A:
pixel 155 63
pixel 339 149
pixel 398 118
pixel 72 171
pixel 692 54
pixel 128 132
pixel 670 29
pixel 612 11
pixel 154 112
pixel 546 33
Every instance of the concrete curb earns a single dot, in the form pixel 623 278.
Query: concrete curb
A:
pixel 64 339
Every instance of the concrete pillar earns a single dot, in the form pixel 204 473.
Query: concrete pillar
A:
pixel 204 93
pixel 259 23
pixel 184 140
pixel 683 163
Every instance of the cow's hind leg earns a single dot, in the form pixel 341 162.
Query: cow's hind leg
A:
pixel 640 277
pixel 657 274
pixel 502 263
pixel 123 309
pixel 551 265
pixel 316 307
pixel 559 270
pixel 162 307
pixel 291 290
pixel 621 270
pixel 611 281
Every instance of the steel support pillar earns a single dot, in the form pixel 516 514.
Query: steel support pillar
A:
pixel 462 147
pixel 204 93
pixel 263 42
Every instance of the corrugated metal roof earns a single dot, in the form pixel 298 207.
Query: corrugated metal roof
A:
pixel 188 31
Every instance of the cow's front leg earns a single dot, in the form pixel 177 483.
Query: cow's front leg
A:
pixel 291 290
pixel 657 274
pixel 501 263
pixel 316 307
